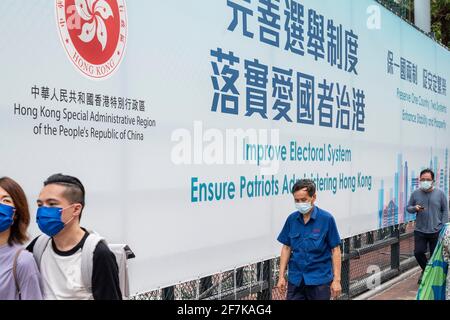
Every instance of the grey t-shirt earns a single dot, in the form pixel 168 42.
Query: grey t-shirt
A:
pixel 27 274
pixel 435 215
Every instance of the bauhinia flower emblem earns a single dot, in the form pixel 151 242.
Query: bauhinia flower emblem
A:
pixel 94 13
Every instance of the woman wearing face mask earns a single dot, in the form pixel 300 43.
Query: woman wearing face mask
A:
pixel 19 275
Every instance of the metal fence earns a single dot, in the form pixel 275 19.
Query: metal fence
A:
pixel 367 260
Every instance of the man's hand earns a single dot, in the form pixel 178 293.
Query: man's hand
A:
pixel 419 208
pixel 335 288
pixel 282 284
pixel 284 259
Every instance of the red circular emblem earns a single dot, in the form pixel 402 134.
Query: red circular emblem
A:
pixel 94 34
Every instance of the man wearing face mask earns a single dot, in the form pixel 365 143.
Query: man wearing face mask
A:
pixel 431 208
pixel 61 203
pixel 311 248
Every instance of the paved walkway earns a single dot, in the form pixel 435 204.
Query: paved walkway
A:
pixel 403 290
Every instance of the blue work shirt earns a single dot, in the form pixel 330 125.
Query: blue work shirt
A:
pixel 311 246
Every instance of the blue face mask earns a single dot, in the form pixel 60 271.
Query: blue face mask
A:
pixel 49 220
pixel 6 217
pixel 303 207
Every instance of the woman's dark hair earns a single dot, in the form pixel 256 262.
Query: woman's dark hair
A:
pixel 21 222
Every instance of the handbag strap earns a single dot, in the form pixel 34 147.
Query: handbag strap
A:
pixel 14 270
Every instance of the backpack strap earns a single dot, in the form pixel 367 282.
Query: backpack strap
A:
pixel 39 248
pixel 14 270
pixel 87 258
pixel 121 255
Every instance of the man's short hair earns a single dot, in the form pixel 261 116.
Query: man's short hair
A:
pixel 74 192
pixel 427 171
pixel 305 183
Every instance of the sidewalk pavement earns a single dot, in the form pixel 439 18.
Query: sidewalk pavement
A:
pixel 403 290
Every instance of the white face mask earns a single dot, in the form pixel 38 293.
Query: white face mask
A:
pixel 426 185
pixel 303 207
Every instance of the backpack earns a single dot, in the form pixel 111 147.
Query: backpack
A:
pixel 122 253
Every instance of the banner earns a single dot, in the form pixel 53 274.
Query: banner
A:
pixel 189 121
